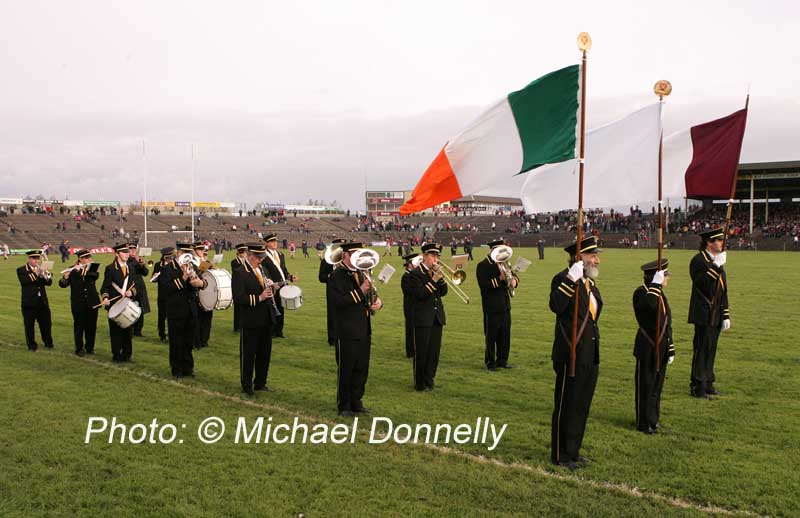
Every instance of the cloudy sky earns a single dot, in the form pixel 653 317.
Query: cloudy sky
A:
pixel 286 101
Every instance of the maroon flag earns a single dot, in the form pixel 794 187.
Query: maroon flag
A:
pixel 716 146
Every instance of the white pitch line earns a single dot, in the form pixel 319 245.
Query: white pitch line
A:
pixel 480 459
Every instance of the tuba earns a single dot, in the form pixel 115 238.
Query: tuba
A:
pixel 364 260
pixel 333 255
pixel 501 254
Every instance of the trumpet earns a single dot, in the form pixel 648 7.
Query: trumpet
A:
pixel 453 278
pixel 501 254
pixel 150 263
pixel 365 259
pixel 43 271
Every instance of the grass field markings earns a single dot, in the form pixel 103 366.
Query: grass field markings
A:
pixel 445 450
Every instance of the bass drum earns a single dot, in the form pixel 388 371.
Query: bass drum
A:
pixel 219 293
pixel 125 312
pixel 291 297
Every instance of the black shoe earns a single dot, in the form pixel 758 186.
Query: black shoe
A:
pixel 506 366
pixel 418 389
pixel 714 392
pixel 117 360
pixel 48 346
pixel 32 349
pixel 248 392
pixel 163 339
pixel 362 410
pixel 80 353
pixel 190 375
pixel 140 335
pixel 177 376
pixel 346 413
pixel 649 431
pixel 265 388
pixel 237 330
pixel 428 389
pixel 491 368
pixel 90 352
pixel 582 460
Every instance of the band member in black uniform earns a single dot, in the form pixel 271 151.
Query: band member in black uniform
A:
pixel 652 308
pixel 408 302
pixel 236 263
pixel 204 317
pixel 179 282
pixel 573 395
pixel 354 306
pixel 139 271
pixel 167 255
pixel 496 303
pixel 325 271
pixel 275 266
pixel 708 310
pixel 427 287
pixel 35 308
pixel 251 290
pixel 84 301
pixel 118 273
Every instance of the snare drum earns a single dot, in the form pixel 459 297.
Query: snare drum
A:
pixel 291 297
pixel 218 294
pixel 125 312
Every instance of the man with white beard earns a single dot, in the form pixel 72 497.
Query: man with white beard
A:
pixel 573 394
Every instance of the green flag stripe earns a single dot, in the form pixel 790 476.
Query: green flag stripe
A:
pixel 546 114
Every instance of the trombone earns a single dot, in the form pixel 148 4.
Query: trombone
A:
pixel 454 278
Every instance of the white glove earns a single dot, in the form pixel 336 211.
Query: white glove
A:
pixel 720 259
pixel 726 324
pixel 658 278
pixel 671 359
pixel 576 271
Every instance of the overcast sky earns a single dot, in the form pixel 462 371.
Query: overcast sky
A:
pixel 286 101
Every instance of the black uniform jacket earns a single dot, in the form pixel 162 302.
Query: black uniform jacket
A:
pixel 708 304
pixel 34 292
pixel 237 263
pixel 408 297
pixel 646 300
pixel 325 270
pixel 494 290
pixel 82 289
pixel 352 311
pixel 562 303
pixel 114 274
pixel 428 307
pixel 140 271
pixel 246 289
pixel 272 270
pixel 180 296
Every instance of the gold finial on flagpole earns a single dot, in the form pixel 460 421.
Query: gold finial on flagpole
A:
pixel 584 41
pixel 662 88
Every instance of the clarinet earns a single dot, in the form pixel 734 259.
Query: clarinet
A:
pixel 274 307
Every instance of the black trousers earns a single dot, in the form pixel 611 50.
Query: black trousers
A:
pixel 427 345
pixel 203 328
pixel 649 384
pixel 84 327
pixel 409 337
pixel 497 330
pixel 42 316
pixel 573 399
pixel 277 322
pixel 138 325
pixel 351 378
pixel 705 352
pixel 162 318
pixel 181 341
pixel 121 341
pixel 255 352
pixel 236 325
pixel 541 254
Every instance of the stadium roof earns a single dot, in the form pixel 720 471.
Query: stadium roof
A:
pixel 489 199
pixel 781 179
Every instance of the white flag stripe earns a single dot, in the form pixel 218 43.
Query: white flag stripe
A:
pixel 621 168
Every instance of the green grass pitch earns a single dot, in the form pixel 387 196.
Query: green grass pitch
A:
pixel 737 454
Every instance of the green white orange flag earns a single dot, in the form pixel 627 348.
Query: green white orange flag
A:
pixel 526 129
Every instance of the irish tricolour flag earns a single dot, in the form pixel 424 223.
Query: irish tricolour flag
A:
pixel 528 128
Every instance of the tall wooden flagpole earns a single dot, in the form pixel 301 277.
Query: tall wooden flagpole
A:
pixel 584 45
pixel 733 186
pixel 662 89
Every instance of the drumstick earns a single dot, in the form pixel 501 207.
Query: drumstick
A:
pixel 110 300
